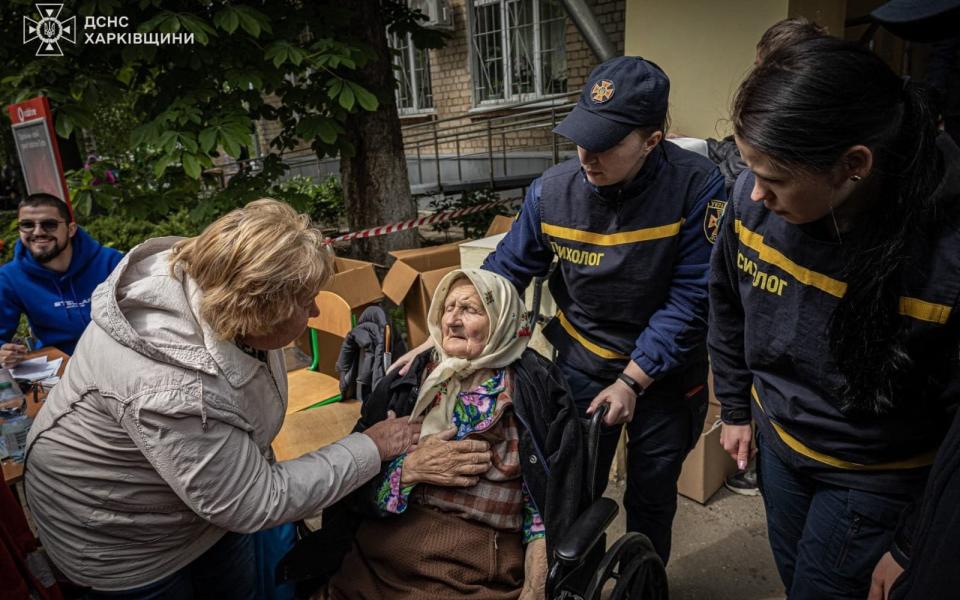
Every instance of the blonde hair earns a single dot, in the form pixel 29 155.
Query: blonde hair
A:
pixel 255 265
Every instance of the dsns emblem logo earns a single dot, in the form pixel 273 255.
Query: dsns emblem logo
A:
pixel 49 30
pixel 602 91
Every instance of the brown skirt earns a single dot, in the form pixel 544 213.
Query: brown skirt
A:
pixel 426 554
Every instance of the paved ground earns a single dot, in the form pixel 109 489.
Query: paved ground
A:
pixel 720 551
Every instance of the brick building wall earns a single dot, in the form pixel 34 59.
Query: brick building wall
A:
pixel 452 85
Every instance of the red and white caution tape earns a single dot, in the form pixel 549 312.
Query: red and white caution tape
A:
pixel 437 217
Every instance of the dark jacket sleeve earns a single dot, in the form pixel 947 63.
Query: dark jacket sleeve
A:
pixel 938 506
pixel 679 326
pixel 395 393
pixel 523 253
pixel 731 377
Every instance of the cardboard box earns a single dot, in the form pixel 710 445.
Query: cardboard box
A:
pixel 308 430
pixel 356 283
pixel 708 464
pixel 353 287
pixel 499 224
pixel 412 279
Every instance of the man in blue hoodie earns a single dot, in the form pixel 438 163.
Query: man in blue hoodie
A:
pixel 56 267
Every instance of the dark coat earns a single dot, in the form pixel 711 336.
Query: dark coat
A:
pixel 928 539
pixel 553 454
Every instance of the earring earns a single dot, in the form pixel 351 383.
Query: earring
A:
pixel 855 178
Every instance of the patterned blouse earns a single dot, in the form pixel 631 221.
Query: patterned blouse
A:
pixel 499 499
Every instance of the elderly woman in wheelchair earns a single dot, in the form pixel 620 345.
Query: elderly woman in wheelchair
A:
pixel 499 468
pixel 496 499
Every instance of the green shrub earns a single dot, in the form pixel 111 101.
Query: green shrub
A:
pixel 474 225
pixel 322 201
pixel 8 234
pixel 125 233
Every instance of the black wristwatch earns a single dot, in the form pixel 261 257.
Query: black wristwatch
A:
pixel 632 384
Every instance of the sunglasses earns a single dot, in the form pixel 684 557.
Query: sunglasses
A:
pixel 47 225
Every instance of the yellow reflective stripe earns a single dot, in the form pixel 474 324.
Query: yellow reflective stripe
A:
pixel 822 282
pixel 598 350
pixel 921 460
pixel 612 239
pixel 923 310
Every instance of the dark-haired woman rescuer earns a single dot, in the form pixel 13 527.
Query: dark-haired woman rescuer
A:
pixel 834 306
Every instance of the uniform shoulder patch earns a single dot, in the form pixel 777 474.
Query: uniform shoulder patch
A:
pixel 712 218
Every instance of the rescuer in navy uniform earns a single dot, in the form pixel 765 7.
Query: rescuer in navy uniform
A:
pixel 631 221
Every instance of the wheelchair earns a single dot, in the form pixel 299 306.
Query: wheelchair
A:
pixel 582 567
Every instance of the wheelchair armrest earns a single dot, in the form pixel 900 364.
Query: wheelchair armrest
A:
pixel 585 532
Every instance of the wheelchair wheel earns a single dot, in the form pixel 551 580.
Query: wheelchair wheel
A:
pixel 637 569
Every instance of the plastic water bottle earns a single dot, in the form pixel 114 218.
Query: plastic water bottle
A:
pixel 10 394
pixel 13 423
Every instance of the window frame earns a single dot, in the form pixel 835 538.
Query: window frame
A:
pixel 506 57
pixel 408 56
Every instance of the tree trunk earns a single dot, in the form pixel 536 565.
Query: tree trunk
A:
pixel 376 187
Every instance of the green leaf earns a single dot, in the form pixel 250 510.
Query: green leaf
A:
pixel 125 75
pixel 254 16
pixel 296 56
pixel 198 28
pixel 155 22
pixel 227 19
pixel 231 145
pixel 161 165
pixel 366 100
pixel 346 97
pixel 63 125
pixel 83 203
pixel 191 165
pixel 168 141
pixel 249 24
pixel 278 53
pixel 188 142
pixel 326 131
pixel 208 139
pixel 334 88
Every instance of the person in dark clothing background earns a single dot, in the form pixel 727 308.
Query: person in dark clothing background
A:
pixel 834 306
pixel 921 563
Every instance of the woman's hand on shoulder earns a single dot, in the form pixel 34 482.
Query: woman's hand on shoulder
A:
pixel 441 461
pixel 394 436
pixel 403 363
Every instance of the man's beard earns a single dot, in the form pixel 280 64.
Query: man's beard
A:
pixel 48 255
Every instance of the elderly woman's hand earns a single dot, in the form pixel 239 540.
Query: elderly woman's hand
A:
pixel 394 436
pixel 443 462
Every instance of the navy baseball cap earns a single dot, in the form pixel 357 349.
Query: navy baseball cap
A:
pixel 920 20
pixel 620 95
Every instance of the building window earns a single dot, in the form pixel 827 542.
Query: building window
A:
pixel 518 48
pixel 412 68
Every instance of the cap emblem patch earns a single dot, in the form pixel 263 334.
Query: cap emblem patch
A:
pixel 602 91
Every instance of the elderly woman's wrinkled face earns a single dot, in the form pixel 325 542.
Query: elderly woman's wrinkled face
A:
pixel 464 325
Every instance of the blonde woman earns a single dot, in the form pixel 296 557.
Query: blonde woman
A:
pixel 150 463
